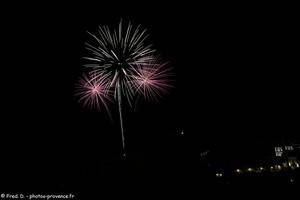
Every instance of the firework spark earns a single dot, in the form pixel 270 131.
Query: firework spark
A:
pixel 93 92
pixel 153 80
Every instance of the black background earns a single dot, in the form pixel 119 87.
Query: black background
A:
pixel 236 93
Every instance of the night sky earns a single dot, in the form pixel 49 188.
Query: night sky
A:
pixel 235 93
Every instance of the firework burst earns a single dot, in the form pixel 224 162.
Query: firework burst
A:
pixel 123 64
pixel 116 53
pixel 153 80
pixel 93 92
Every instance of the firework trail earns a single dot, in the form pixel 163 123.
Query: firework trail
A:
pixel 121 118
pixel 122 63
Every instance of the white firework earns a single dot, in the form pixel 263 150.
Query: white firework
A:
pixel 116 53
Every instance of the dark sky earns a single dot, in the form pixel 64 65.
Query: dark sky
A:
pixel 236 87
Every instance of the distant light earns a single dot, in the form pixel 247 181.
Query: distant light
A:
pixel 278 148
pixel 289 148
pixel 182 133
pixel 278 154
pixel 238 170
pixel 278 151
pixel 204 153
pixel 291 180
pixel 219 174
pixel 271 167
pixel 261 168
pixel 297 164
pixel 279 167
pixel 250 169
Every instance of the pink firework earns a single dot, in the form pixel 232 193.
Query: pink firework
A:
pixel 124 65
pixel 93 92
pixel 153 80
